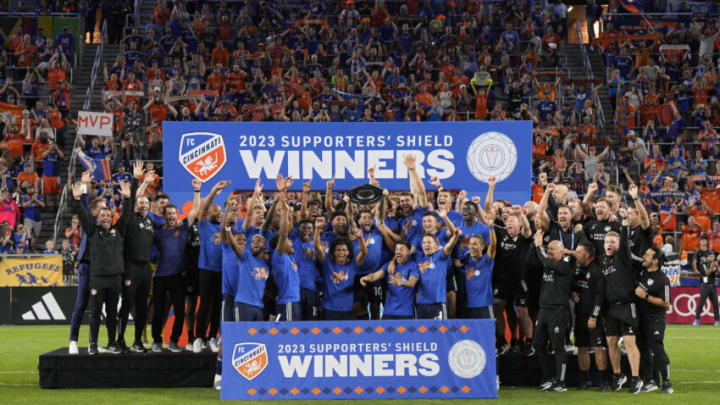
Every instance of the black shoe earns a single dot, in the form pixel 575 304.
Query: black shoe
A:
pixel 113 349
pixel 618 382
pixel 636 385
pixel 666 388
pixel 516 348
pixel 123 347
pixel 545 385
pixel 557 387
pixel 93 349
pixel 138 347
pixel 604 387
pixel 528 350
pixel 649 386
pixel 583 385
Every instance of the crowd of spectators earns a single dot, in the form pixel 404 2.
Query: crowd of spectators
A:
pixel 376 61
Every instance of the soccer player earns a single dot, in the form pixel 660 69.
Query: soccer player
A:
pixel 284 267
pixel 371 293
pixel 139 234
pixel 554 315
pixel 403 275
pixel 106 265
pixel 171 243
pixel 209 271
pixel 339 267
pixel 478 277
pixel 589 296
pixel 654 290
pixel 433 266
pixel 621 314
pixel 709 272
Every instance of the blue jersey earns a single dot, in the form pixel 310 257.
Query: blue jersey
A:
pixel 285 271
pixel 478 228
pixel 441 236
pixel 32 211
pixel 171 249
pixel 373 259
pixel 252 275
pixel 478 282
pixel 400 300
pixel 230 269
pixel 433 271
pixel 338 283
pixel 455 217
pixel 305 259
pixel 210 251
pixel 121 177
pixel 416 226
pixel 51 164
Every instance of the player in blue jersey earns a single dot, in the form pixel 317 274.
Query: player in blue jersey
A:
pixel 209 271
pixel 369 293
pixel 403 275
pixel 171 242
pixel 478 277
pixel 284 267
pixel 431 299
pixel 339 265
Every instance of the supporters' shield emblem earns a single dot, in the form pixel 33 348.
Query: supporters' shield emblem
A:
pixel 202 154
pixel 249 359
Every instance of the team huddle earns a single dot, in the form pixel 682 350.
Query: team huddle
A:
pixel 543 268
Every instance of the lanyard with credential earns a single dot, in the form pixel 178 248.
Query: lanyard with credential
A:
pixel 572 238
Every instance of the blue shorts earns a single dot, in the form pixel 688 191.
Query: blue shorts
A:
pixel 248 313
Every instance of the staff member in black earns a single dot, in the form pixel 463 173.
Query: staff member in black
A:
pixel 654 291
pixel 106 264
pixel 709 272
pixel 139 234
pixel 589 296
pixel 554 315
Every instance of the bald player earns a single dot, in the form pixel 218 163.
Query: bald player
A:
pixel 209 270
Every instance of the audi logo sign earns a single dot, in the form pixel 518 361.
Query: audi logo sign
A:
pixel 684 303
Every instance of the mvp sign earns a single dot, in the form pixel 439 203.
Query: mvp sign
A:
pixel 93 123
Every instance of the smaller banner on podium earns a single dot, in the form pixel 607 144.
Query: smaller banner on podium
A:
pixel 359 360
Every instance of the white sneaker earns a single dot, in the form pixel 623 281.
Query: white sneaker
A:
pixel 197 345
pixel 214 347
pixel 217 384
pixel 73 348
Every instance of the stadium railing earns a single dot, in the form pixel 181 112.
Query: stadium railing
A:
pixel 97 64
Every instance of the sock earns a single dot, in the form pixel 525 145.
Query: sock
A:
pixel 603 376
pixel 218 366
pixel 584 375
pixel 513 341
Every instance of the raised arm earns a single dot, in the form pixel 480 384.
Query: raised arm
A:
pixel 226 235
pixel 192 215
pixel 362 254
pixel 639 206
pixel 493 244
pixel 207 202
pixel 251 204
pixel 329 209
pixel 285 225
pixel 542 210
pixel 415 181
pixel 450 245
pixel 317 244
pixel 490 194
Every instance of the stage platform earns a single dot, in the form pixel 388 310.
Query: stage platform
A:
pixel 163 370
pixel 58 369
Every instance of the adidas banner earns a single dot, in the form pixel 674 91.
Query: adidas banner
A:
pixel 462 155
pixel 359 360
pixel 41 305
pixel 39 271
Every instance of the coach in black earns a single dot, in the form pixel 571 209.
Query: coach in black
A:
pixel 139 233
pixel 106 264
pixel 654 291
pixel 554 315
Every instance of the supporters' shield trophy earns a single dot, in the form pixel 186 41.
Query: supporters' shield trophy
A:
pixel 365 195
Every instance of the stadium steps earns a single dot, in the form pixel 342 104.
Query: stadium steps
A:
pixel 146 10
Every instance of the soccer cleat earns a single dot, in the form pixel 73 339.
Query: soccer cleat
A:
pixel 113 349
pixel 93 349
pixel 123 347
pixel 557 387
pixel 618 382
pixel 604 387
pixel 583 385
pixel 197 345
pixel 217 384
pixel 529 350
pixel 649 386
pixel 214 347
pixel 545 385
pixel 157 347
pixel 697 322
pixel 504 349
pixel 189 347
pixel 173 347
pixel 666 388
pixel 636 385
pixel 73 348
pixel 138 347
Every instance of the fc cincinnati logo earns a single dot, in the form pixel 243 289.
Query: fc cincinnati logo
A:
pixel 492 154
pixel 202 154
pixel 250 359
